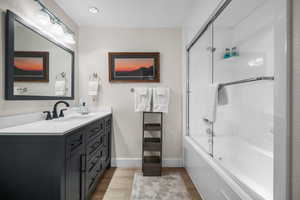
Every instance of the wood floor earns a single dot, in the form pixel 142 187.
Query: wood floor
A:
pixel 116 184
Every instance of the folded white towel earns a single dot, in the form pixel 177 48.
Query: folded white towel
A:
pixel 161 98
pixel 93 88
pixel 142 98
pixel 212 102
pixel 60 88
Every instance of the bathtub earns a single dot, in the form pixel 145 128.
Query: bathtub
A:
pixel 239 170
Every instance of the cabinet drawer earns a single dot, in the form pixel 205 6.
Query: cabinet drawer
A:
pixel 95 129
pixel 92 163
pixel 94 146
pixel 74 142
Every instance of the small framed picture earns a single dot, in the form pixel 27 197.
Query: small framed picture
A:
pixel 31 66
pixel 134 67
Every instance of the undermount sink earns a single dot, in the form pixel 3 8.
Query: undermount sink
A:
pixel 74 117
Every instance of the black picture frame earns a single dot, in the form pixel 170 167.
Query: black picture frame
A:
pixel 31 76
pixel 9 60
pixel 151 73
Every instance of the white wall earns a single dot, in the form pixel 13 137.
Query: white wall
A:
pixel 25 9
pixel 95 43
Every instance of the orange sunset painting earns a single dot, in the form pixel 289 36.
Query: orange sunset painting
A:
pixel 30 66
pixel 134 67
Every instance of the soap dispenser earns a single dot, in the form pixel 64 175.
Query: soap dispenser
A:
pixel 84 109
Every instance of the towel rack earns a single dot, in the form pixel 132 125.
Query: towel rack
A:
pixel 261 78
pixel 94 77
pixel 61 75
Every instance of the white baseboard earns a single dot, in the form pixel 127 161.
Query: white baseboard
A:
pixel 137 162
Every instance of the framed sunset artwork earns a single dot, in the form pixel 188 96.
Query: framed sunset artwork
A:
pixel 134 67
pixel 31 66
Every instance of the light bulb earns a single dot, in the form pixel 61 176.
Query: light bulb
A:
pixel 43 18
pixel 57 29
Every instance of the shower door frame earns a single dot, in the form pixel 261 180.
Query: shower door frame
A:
pixel 281 182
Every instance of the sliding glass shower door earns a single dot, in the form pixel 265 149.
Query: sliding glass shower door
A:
pixel 200 76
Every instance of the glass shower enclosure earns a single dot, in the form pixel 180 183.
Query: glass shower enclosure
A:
pixel 236 52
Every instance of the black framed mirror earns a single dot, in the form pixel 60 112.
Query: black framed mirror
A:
pixel 37 67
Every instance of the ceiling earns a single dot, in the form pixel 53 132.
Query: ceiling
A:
pixel 127 13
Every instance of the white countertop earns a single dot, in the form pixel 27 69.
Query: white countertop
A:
pixel 58 127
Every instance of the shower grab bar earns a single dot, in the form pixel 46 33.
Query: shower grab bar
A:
pixel 262 78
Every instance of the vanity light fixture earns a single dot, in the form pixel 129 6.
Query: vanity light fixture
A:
pixel 93 10
pixel 57 27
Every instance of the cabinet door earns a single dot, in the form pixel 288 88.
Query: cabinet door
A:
pixel 75 175
pixel 107 146
pixel 107 142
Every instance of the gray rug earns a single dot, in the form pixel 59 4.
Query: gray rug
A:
pixel 166 187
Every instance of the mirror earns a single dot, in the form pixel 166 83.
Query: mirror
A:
pixel 37 67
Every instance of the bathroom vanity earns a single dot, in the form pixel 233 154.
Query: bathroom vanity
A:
pixel 60 159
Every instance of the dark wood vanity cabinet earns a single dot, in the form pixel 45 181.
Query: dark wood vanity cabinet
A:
pixel 75 162
pixel 55 167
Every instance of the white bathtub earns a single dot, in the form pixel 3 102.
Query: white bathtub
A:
pixel 242 173
pixel 250 166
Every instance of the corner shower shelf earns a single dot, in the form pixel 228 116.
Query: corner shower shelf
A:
pixel 230 58
pixel 152 164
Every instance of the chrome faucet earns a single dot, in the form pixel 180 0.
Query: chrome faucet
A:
pixel 54 112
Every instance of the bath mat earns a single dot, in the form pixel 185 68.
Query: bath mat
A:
pixel 167 187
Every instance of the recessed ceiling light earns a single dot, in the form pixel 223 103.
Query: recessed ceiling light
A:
pixel 93 10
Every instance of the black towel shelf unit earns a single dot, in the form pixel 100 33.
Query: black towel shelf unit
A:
pixel 152 164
